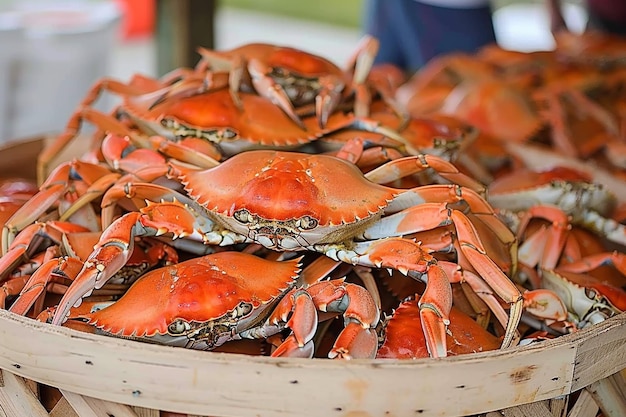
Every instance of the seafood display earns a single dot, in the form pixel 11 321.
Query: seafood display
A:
pixel 271 196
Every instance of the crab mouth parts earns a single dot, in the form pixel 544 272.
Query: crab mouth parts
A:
pixel 276 234
pixel 300 89
pixel 213 134
pixel 206 335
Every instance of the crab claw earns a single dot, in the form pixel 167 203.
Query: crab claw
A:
pixel 328 98
pixel 545 304
pixel 291 348
pixel 411 258
pixel 110 254
pixel 359 310
pixel 271 90
pixel 34 288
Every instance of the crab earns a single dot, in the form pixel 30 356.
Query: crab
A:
pixel 289 201
pixel 291 77
pixel 402 335
pixel 253 123
pixel 205 302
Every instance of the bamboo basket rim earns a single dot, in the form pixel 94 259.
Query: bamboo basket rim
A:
pixel 214 383
pixel 136 373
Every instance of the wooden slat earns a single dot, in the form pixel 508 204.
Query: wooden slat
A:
pixel 607 393
pixel 536 409
pixel 585 406
pixel 599 356
pixel 619 380
pixel 63 409
pixel 93 407
pixel 558 406
pixel 17 400
pixel 146 412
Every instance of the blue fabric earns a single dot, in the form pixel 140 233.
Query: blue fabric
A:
pixel 411 33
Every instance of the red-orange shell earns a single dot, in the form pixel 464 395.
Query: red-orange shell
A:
pixel 292 59
pixel 405 337
pixel 198 290
pixel 288 185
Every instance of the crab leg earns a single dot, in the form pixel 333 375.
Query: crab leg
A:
pixel 109 256
pixel 553 241
pixel 141 89
pixel 545 304
pixel 55 186
pixel 138 193
pixel 12 287
pixel 28 213
pixel 588 263
pixel 361 62
pixel 403 221
pixel 38 282
pixel 95 191
pixel 402 167
pixel 474 252
pixel 21 248
pixel 478 285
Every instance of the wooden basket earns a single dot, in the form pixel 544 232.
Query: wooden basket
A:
pixel 572 376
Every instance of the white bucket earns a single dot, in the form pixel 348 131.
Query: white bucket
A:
pixel 63 48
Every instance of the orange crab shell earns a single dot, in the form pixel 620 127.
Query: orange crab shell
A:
pixel 292 59
pixel 288 185
pixel 527 178
pixel 261 121
pixel 198 290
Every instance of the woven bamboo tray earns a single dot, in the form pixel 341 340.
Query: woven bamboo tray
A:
pixel 571 376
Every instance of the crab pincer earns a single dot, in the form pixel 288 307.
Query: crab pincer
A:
pixel 358 338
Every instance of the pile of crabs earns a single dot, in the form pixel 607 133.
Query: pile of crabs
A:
pixel 270 202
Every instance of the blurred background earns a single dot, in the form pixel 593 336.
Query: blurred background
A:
pixel 52 51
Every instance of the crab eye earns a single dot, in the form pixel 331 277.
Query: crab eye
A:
pixel 229 134
pixel 178 326
pixel 590 293
pixel 242 216
pixel 307 223
pixel 279 72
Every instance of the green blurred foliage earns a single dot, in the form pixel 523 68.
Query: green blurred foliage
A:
pixel 342 13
